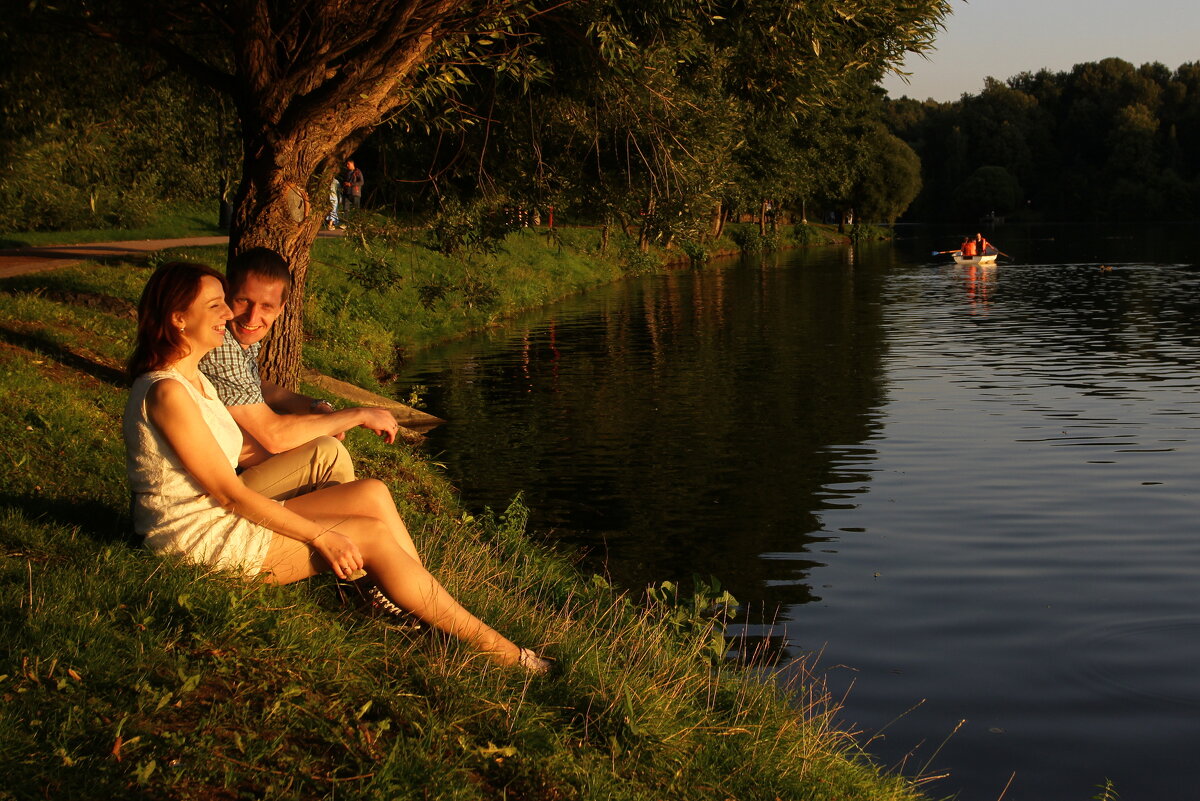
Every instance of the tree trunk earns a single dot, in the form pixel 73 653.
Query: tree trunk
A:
pixel 762 217
pixel 846 217
pixel 644 231
pixel 717 221
pixel 275 209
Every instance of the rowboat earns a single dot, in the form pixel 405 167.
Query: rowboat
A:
pixel 988 259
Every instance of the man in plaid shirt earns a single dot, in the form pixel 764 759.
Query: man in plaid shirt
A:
pixel 275 421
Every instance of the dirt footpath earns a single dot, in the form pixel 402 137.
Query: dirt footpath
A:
pixel 17 261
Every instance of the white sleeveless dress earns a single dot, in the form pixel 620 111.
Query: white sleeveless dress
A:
pixel 170 508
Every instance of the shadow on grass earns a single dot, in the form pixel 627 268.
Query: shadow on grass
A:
pixel 69 254
pixel 96 520
pixel 67 358
pixel 39 285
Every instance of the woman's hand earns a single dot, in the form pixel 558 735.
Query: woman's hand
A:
pixel 340 551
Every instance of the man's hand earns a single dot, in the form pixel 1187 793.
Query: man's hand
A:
pixel 325 407
pixel 381 421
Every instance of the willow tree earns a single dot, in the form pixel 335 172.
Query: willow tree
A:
pixel 310 79
pixel 673 94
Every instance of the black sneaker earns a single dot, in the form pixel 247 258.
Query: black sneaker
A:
pixel 389 613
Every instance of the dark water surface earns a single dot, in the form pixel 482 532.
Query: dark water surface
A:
pixel 973 490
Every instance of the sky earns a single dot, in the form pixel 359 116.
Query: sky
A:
pixel 1001 38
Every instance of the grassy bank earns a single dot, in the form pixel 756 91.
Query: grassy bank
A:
pixel 171 222
pixel 127 676
pixel 383 291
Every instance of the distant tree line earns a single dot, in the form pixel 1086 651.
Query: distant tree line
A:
pixel 1105 141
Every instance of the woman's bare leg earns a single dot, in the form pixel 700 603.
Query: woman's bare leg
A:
pixel 366 497
pixel 398 574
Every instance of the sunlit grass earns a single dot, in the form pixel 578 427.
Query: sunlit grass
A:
pixel 128 676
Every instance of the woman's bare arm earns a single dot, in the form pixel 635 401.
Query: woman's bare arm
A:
pixel 176 415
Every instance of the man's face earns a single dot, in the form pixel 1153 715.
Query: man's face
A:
pixel 256 304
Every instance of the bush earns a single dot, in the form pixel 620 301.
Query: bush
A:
pixel 637 261
pixel 805 234
pixel 747 238
pixel 694 251
pixel 480 225
pixel 861 232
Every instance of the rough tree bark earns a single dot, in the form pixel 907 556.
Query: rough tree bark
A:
pixel 716 221
pixel 299 122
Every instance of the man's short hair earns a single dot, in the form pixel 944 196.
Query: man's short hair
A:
pixel 262 262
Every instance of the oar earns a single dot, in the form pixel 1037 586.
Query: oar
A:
pixel 1002 253
pixel 944 252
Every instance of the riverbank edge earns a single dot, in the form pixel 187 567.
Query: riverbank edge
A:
pixel 124 677
pixel 382 295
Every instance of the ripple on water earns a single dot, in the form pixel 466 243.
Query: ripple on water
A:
pixel 1150 660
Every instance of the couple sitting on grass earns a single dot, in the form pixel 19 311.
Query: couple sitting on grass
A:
pixel 295 509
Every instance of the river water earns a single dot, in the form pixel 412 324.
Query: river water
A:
pixel 965 494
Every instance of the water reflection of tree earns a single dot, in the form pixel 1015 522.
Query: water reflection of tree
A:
pixel 693 424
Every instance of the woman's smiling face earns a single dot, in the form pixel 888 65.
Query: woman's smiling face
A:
pixel 203 322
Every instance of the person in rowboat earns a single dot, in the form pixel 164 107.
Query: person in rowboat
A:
pixel 968 248
pixel 983 247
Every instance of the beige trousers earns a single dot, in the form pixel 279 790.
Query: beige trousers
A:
pixel 311 466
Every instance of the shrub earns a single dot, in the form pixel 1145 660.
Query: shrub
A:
pixel 694 250
pixel 805 234
pixel 747 238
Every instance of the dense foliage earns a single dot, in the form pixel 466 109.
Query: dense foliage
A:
pixel 665 118
pixel 662 117
pixel 654 97
pixel 92 137
pixel 1105 141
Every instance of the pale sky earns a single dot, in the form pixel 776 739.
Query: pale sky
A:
pixel 1001 38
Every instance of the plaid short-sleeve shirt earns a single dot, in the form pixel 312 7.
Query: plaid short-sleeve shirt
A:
pixel 233 370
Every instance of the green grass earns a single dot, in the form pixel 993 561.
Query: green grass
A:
pixel 383 298
pixel 172 221
pixel 126 675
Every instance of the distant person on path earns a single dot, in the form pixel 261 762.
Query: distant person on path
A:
pixel 182 448
pixel 331 219
pixel 352 185
pixel 274 419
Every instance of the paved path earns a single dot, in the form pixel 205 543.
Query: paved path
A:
pixel 34 259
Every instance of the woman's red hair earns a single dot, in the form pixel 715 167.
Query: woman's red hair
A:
pixel 172 288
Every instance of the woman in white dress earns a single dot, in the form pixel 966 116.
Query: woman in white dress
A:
pixel 181 452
